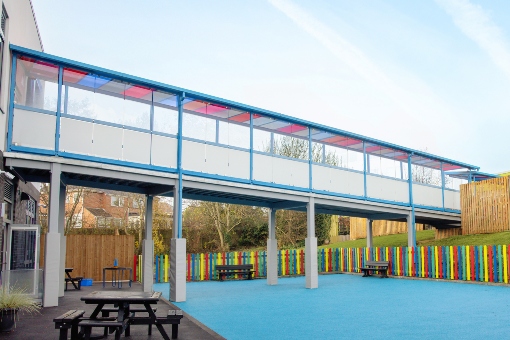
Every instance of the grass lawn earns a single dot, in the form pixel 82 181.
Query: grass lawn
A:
pixel 426 238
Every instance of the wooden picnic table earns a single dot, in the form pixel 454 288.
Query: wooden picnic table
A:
pixel 124 300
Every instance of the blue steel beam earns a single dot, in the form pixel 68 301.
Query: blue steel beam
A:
pixel 200 96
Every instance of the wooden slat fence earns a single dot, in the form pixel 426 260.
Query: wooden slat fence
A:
pixel 445 233
pixel 88 254
pixel 358 227
pixel 485 206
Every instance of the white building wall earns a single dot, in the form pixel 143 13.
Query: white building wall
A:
pixel 21 29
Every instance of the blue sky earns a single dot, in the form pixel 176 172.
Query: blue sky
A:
pixel 429 74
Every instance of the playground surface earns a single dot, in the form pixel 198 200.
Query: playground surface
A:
pixel 349 306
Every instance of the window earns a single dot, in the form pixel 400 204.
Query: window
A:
pixel 30 211
pixel 117 201
pixel 8 200
pixel 136 205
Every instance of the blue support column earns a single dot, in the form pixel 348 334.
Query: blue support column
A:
pixel 411 227
pixel 251 147
pixel 151 124
pixel 310 155
pixel 59 105
pixel 179 166
pixel 177 243
pixel 442 183
pixel 11 102
pixel 364 170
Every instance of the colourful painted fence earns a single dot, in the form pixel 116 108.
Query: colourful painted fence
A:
pixel 469 263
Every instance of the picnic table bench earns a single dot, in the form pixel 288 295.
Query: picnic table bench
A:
pixel 226 270
pixel 76 281
pixel 376 266
pixel 66 321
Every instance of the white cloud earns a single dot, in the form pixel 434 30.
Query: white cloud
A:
pixel 410 113
pixel 342 49
pixel 477 25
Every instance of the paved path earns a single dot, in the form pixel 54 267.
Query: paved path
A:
pixel 41 326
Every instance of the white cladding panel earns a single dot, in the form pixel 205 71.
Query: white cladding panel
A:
pixel 136 146
pixel 321 177
pixel 262 168
pixel 107 142
pixel 280 171
pixel 289 172
pixel 452 199
pixel 33 129
pixel 76 136
pixel 193 156
pixel 216 159
pixel 337 180
pixel 238 164
pixel 387 189
pixel 427 195
pixel 164 151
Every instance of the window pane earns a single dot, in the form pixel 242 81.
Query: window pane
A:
pixel 137 114
pixel 261 140
pixel 290 146
pixel 79 102
pixel 234 135
pixel 166 120
pixel 96 97
pixel 36 84
pixel 198 127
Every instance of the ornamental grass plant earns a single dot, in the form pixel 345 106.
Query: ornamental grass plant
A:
pixel 17 298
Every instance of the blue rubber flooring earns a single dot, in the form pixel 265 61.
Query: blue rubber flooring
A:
pixel 349 306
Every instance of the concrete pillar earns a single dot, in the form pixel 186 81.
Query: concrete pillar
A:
pixel 52 269
pixel 311 268
pixel 177 254
pixel 148 248
pixel 370 240
pixel 61 230
pixel 272 250
pixel 411 230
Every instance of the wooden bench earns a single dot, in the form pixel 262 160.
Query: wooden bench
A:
pixel 76 281
pixel 235 269
pixel 105 313
pixel 376 266
pixel 66 321
pixel 173 317
pixel 113 325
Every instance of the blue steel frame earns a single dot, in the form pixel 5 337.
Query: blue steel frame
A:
pixel 364 170
pixel 200 96
pixel 59 107
pixel 180 98
pixel 411 203
pixel 181 94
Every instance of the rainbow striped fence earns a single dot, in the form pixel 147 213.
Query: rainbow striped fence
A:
pixel 469 263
